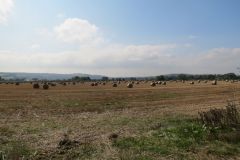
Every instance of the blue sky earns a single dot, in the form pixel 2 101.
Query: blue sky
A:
pixel 120 37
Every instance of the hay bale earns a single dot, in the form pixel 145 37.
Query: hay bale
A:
pixel 159 82
pixel 17 83
pixel 129 85
pixel 192 82
pixel 45 86
pixel 36 86
pixel 214 82
pixel 153 84
pixel 94 84
pixel 164 83
pixel 53 84
pixel 115 85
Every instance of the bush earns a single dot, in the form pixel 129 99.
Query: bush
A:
pixel 223 118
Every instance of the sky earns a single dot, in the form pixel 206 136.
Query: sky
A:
pixel 120 37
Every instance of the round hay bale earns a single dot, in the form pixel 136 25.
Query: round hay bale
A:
pixel 153 84
pixel 92 84
pixel 17 83
pixel 129 85
pixel 53 84
pixel 45 86
pixel 115 85
pixel 159 82
pixel 103 83
pixel 214 82
pixel 36 86
pixel 192 82
pixel 164 83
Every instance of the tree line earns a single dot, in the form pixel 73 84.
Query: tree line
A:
pixel 228 76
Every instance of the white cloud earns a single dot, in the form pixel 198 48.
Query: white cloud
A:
pixel 79 31
pixel 6 7
pixel 124 60
pixel 113 59
pixel 88 59
pixel 221 59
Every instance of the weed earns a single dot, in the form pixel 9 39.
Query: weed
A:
pixel 224 118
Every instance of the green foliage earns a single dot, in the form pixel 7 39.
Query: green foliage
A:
pixel 178 136
pixel 160 78
pixel 182 77
pixel 164 141
pixel 229 76
pixel 77 78
pixel 105 78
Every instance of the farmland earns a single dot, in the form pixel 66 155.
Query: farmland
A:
pixel 106 122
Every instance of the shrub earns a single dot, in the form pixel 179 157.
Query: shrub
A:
pixel 224 118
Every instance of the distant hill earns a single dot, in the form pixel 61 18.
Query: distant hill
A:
pixel 44 76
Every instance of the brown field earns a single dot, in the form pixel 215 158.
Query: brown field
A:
pixel 34 121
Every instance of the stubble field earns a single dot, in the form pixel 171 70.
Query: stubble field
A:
pixel 104 122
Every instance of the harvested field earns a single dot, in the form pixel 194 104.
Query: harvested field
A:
pixel 83 117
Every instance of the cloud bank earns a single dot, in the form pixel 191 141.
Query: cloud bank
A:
pixel 96 56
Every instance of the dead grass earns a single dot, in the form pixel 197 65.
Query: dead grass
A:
pixel 37 119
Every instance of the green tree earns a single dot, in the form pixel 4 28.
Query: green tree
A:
pixel 105 78
pixel 77 78
pixel 182 77
pixel 160 78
